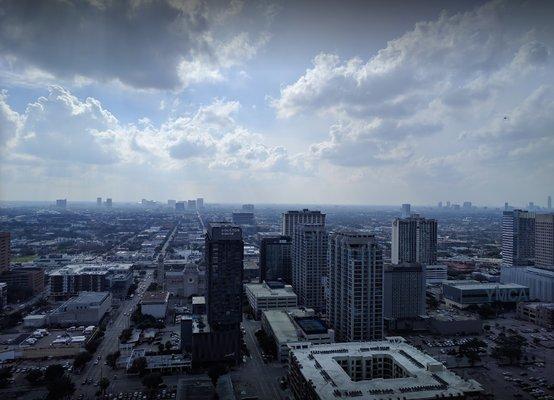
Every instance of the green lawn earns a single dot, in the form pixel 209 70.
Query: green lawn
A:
pixel 22 259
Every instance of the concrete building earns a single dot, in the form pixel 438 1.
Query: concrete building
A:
pixel 186 281
pixel 3 295
pixel 295 329
pixel 377 370
pixel 61 203
pixel 540 281
pixel 155 304
pixel 191 205
pixel 309 265
pixel 544 240
pixel 248 208
pixel 199 203
pixel 243 218
pixel 99 201
pixel 463 294
pixel 518 238
pixel 406 212
pixel 541 314
pixel 436 274
pixel 414 239
pixel 291 219
pixel 404 291
pixel 109 202
pixel 88 308
pixel 198 305
pixel 270 296
pixel 5 251
pixel 276 259
pixel 355 286
pixel 30 279
pixel 217 336
pixel 74 278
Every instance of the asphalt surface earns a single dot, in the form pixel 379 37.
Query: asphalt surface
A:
pixel 95 371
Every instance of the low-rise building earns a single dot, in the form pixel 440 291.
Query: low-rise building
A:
pixel 541 314
pixel 540 281
pixel 463 294
pixel 26 278
pixel 436 274
pixel 155 304
pixel 270 296
pixel 88 308
pixel 295 329
pixel 377 370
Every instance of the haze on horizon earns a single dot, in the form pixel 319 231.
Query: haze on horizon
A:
pixel 312 102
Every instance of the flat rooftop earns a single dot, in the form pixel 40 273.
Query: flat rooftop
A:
pixel 281 325
pixel 89 298
pixel 485 286
pixel 155 297
pixel 264 290
pixel 424 377
pixel 311 325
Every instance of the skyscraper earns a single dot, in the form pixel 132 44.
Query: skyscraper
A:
pixel 99 201
pixel 414 239
pixel 293 218
pixel 276 259
pixel 518 238
pixel 200 203
pixel 309 264
pixel 61 203
pixel 355 295
pixel 406 210
pixel 404 287
pixel 248 207
pixel 5 251
pixel 109 202
pixel 224 250
pixel 544 240
pixel 549 202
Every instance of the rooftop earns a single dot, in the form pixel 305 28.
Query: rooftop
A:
pixel 422 377
pixel 155 297
pixel 265 290
pixel 90 298
pixel 484 286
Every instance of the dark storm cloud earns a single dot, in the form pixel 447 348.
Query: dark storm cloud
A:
pixel 139 43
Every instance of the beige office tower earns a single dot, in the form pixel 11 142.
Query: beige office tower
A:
pixel 291 219
pixel 414 240
pixel 355 281
pixel 544 241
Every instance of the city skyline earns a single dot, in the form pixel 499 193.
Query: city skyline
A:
pixel 277 101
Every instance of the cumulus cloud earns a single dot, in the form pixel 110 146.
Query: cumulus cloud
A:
pixel 10 121
pixel 444 85
pixel 142 44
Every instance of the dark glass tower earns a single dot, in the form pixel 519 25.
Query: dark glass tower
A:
pixel 275 259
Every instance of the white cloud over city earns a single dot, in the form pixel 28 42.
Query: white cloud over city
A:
pixel 169 99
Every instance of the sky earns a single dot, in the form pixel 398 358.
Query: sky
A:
pixel 319 102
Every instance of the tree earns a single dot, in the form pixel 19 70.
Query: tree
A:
pixel 215 371
pixel 104 384
pixel 152 380
pixel 5 376
pixel 125 335
pixel 53 372
pixel 509 346
pixel 81 359
pixel 111 358
pixel 34 377
pixel 139 366
pixel 60 388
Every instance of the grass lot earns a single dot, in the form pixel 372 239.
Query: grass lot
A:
pixel 22 259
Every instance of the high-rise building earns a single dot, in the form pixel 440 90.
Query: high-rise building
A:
pixel 467 205
pixel 518 238
pixel 191 205
pixel 406 212
pixel 243 218
pixel 549 202
pixel 414 239
pixel 200 203
pixel 404 287
pixel 180 206
pixel 248 207
pixel 109 202
pixel 544 240
pixel 309 264
pixel 171 203
pixel 5 251
pixel 448 204
pixel 276 259
pixel 292 218
pixel 440 204
pixel 61 203
pixel 224 250
pixel 355 281
pixel 99 201
pixel 30 279
pixel 531 206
